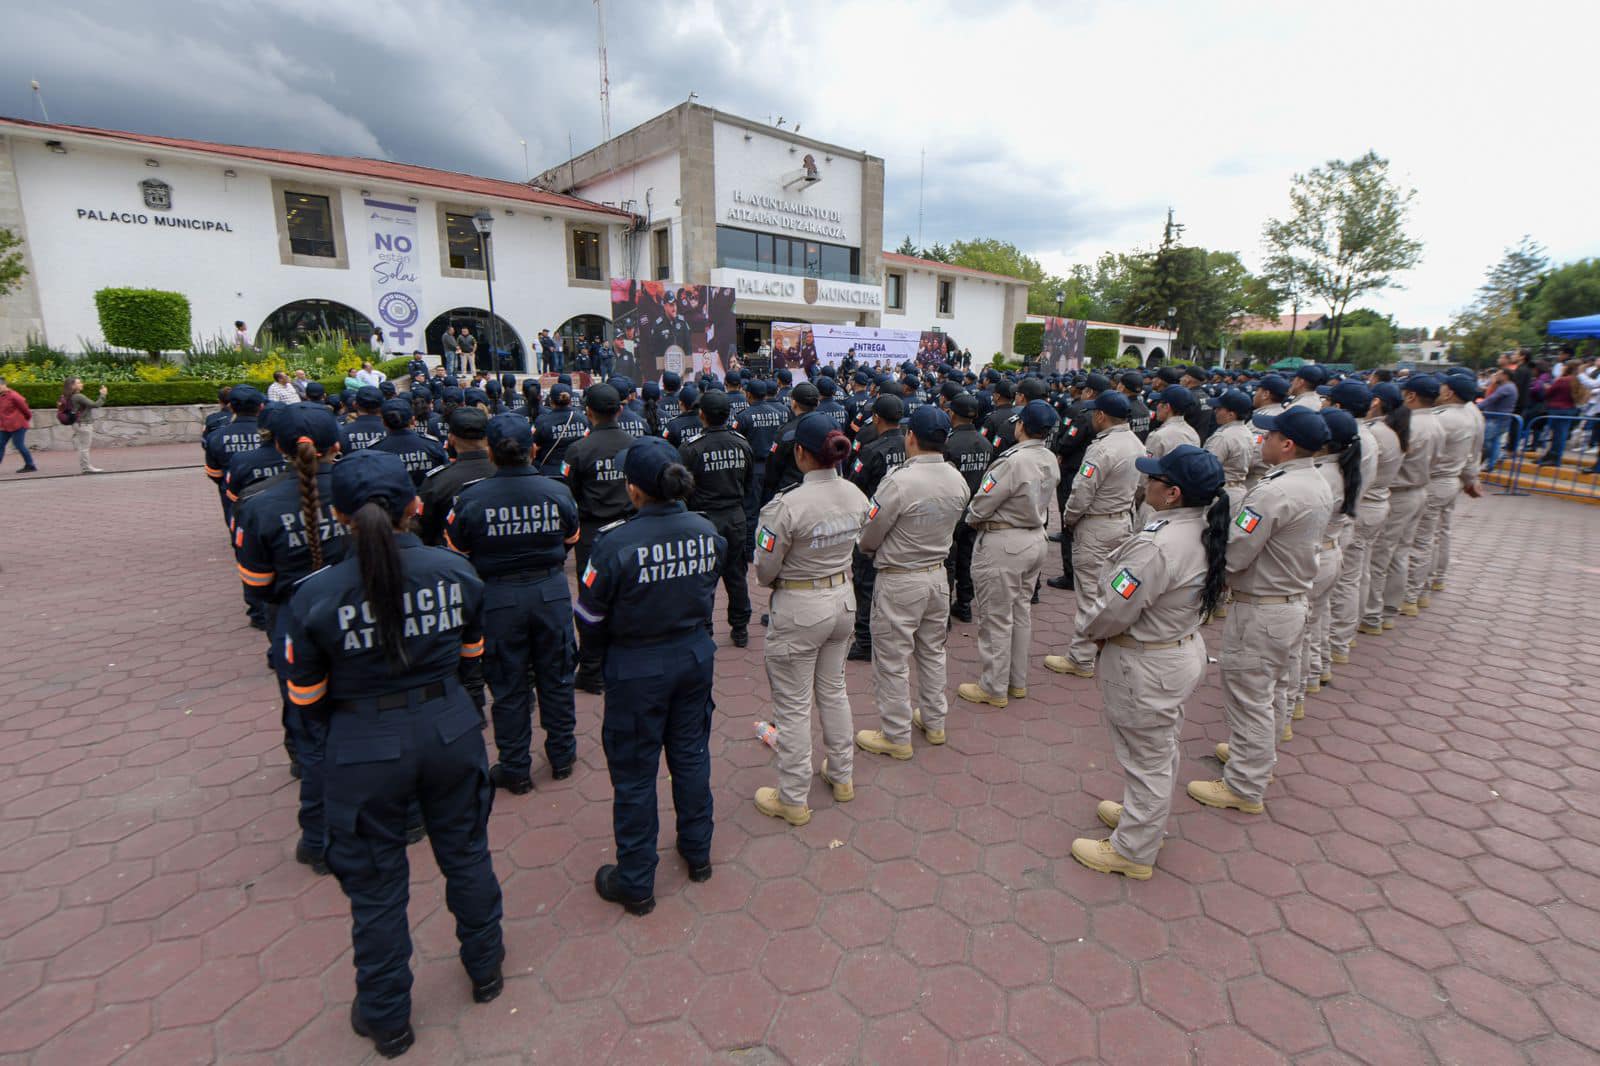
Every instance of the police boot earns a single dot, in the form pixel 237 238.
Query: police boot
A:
pixel 488 988
pixel 961 612
pixel 589 681
pixel 1436 586
pixel 933 736
pixel 389 1045
pixel 768 802
pixel 306 855
pixel 1100 856
pixel 741 636
pixel 873 740
pixel 859 653
pixel 974 694
pixel 699 872
pixel 1016 692
pixel 1064 583
pixel 1370 631
pixel 1109 812
pixel 1338 658
pixel 1060 664
pixel 1424 600
pixel 1388 624
pixel 1218 794
pixel 517 786
pixel 843 791
pixel 1409 609
pixel 605 885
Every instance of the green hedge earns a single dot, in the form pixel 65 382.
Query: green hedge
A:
pixel 1027 339
pixel 146 320
pixel 1361 345
pixel 393 368
pixel 42 398
pixel 1100 346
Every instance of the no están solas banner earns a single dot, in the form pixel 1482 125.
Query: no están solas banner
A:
pixel 396 274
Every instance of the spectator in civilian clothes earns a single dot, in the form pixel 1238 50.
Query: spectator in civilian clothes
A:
pixel 1498 405
pixel 1563 398
pixel 300 383
pixel 15 420
pixel 280 391
pixel 83 410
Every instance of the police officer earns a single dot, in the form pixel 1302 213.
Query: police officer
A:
pixel 1232 442
pixel 514 527
pixel 1303 386
pixel 723 466
pixel 596 479
pixel 966 450
pixel 1341 463
pixel 1200 415
pixel 684 426
pixel 1172 404
pixel 827 389
pixel 1010 510
pixel 373 644
pixel 555 429
pixel 759 423
pixel 221 416
pixel 1099 516
pixel 997 427
pixel 417 365
pixel 468 430
pixel 670 405
pixel 858 403
pixel 885 451
pixel 257 465
pixel 236 437
pixel 280 535
pixel 367 428
pixel 1463 426
pixel 1355 398
pixel 781 470
pixel 1131 385
pixel 1417 497
pixel 1389 422
pixel 1272 563
pixel 421 455
pixel 1070 444
pixel 911 521
pixel 803 553
pixel 1270 392
pixel 1156 589
pixel 645 600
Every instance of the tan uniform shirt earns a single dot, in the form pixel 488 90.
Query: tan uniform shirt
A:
pixel 1336 521
pixel 810 531
pixel 1463 442
pixel 1311 400
pixel 1168 435
pixel 1258 467
pixel 1376 488
pixel 1427 437
pixel 1234 447
pixel 1272 544
pixel 1106 479
pixel 1369 460
pixel 912 517
pixel 1150 586
pixel 1019 488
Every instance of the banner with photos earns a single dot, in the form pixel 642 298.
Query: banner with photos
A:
pixel 1062 350
pixel 804 348
pixel 659 326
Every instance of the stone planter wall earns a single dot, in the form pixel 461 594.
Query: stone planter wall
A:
pixel 119 427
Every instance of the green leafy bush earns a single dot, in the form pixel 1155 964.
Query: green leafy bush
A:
pixel 1100 346
pixel 1027 339
pixel 1364 346
pixel 146 320
pixel 393 368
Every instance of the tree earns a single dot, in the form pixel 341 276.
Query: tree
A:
pixel 906 247
pixel 1366 316
pixel 938 253
pixel 1565 292
pixel 1346 234
pixel 11 269
pixel 1494 322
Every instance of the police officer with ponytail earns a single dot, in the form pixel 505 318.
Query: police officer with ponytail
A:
pixel 366 428
pixel 645 601
pixel 1152 596
pixel 422 455
pixel 515 527
pixel 374 643
pixel 280 535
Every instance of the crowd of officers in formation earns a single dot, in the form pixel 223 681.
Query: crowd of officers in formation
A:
pixel 406 550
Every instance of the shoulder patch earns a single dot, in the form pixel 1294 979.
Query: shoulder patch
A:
pixel 1124 584
pixel 988 483
pixel 1153 526
pixel 589 574
pixel 872 510
pixel 1088 470
pixel 612 525
pixel 1247 520
pixel 766 539
pixel 857 468
pixel 566 468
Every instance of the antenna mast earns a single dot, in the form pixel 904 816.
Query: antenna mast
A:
pixel 922 169
pixel 605 75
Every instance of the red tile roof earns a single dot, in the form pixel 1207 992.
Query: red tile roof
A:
pixel 951 268
pixel 355 166
pixel 1282 324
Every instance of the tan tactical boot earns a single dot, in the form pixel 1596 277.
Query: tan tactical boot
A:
pixel 1388 624
pixel 843 791
pixel 1060 664
pixel 1222 751
pixel 1298 713
pixel 1109 812
pixel 1410 609
pixel 975 694
pixel 1313 686
pixel 1437 586
pixel 1016 693
pixel 874 741
pixel 1339 658
pixel 1326 677
pixel 1371 631
pixel 1424 600
pixel 1101 856
pixel 1288 732
pixel 768 803
pixel 1218 794
pixel 933 736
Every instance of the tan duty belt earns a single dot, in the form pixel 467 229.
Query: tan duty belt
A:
pixel 910 569
pixel 1122 640
pixel 1329 545
pixel 1266 601
pixel 814 583
pixel 992 526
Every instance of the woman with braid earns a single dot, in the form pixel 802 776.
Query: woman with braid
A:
pixel 280 535
pixel 1154 593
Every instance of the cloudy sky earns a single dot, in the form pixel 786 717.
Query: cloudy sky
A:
pixel 1067 127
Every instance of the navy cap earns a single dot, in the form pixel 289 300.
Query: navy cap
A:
pixel 1342 428
pixel 688 396
pixel 1350 394
pixel 316 390
pixel 469 423
pixel 826 386
pixel 452 394
pixel 1389 393
pixel 888 408
pixel 1312 374
pixel 671 380
pixel 785 376
pixel 1113 404
pixel 369 396
pixel 1195 471
pixel 1275 384
pixel 929 425
pixel 398 406
pixel 559 389
pixel 805 393
pixel 602 398
pixel 811 431
pixel 1301 425
pixel 1037 417
pixel 244 396
pixel 1169 374
pixel 491 387
pixel 1133 381
pixel 474 396
pixel 1237 402
pixel 650 390
pixel 716 404
pixel 861 377
pixel 1463 385
pixel 387 388
pixel 367 475
pixel 623 385
pixel 645 460
pixel 1098 382
pixel 1177 397
pixel 512 428
pixel 965 405
pixel 1421 384
pixel 313 421
pixel 756 387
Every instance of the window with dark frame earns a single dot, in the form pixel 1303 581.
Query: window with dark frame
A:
pixel 466 250
pixel 895 291
pixel 309 220
pixel 586 254
pixel 747 250
pixel 946 291
pixel 663 254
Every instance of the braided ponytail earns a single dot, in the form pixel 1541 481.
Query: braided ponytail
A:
pixel 305 460
pixel 1215 539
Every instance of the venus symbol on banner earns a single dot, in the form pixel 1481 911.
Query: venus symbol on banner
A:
pixel 396 289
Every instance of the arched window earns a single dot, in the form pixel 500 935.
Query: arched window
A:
pixel 512 355
pixel 1156 357
pixel 581 329
pixel 297 323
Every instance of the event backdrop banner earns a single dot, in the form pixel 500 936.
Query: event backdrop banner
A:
pixel 804 347
pixel 1063 344
pixel 396 273
pixel 687 329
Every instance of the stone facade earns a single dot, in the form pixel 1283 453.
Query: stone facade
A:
pixel 119 427
pixel 20 315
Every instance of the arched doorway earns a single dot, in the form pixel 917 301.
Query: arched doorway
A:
pixel 581 328
pixel 295 324
pixel 512 355
pixel 1132 352
pixel 1156 357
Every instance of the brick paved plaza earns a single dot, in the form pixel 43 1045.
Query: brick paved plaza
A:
pixel 1424 886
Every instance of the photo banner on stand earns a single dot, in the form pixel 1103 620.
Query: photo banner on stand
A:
pixel 396 273
pixel 659 326
pixel 933 348
pixel 1062 350
pixel 804 348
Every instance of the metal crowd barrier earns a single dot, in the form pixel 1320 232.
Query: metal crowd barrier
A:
pixel 1576 471
pixel 1497 430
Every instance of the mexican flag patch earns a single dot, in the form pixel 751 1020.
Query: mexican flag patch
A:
pixel 566 468
pixel 872 512
pixel 988 483
pixel 1125 584
pixel 589 574
pixel 1247 521
pixel 766 539
pixel 858 466
pixel 1087 470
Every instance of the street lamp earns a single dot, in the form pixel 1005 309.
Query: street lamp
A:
pixel 1061 302
pixel 483 222
pixel 1172 336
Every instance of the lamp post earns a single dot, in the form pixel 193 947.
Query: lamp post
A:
pixel 1061 303
pixel 1172 335
pixel 483 222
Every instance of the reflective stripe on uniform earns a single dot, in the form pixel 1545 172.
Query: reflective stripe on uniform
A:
pixel 306 695
pixel 473 650
pixel 254 578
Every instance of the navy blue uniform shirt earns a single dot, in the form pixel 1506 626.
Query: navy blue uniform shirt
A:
pixel 269 536
pixel 759 424
pixel 553 433
pixel 651 579
pixel 247 468
pixel 361 432
pixel 683 429
pixel 422 455
pixel 226 441
pixel 513 522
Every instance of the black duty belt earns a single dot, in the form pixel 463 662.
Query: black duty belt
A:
pixel 526 576
pixel 394 701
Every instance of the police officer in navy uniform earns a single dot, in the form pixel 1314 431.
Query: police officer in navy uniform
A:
pixel 257 465
pixel 422 455
pixel 670 405
pixel 857 403
pixel 828 389
pixel 280 535
pixel 723 466
pixel 367 428
pixel 971 454
pixel 998 426
pixel 885 452
pixel 220 417
pixel 685 426
pixel 373 643
pixel 515 527
pixel 782 471
pixel 759 423
pixel 417 365
pixel 631 417
pixel 556 428
pixel 469 429
pixel 645 602
pixel 240 435
pixel 594 473
pixel 1131 385
pixel 1071 442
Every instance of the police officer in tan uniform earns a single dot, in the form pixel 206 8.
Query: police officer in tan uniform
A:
pixel 803 547
pixel 1305 385
pixel 911 521
pixel 1010 510
pixel 1272 561
pixel 1340 464
pixel 1172 403
pixel 1155 591
pixel 1389 422
pixel 1268 400
pixel 1409 499
pixel 1344 608
pixel 1463 444
pixel 1233 443
pixel 1099 513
